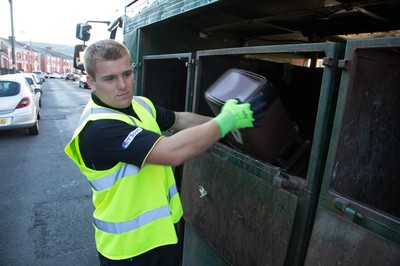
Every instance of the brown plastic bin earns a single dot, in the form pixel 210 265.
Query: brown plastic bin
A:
pixel 276 139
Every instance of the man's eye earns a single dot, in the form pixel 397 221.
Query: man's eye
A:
pixel 127 74
pixel 108 79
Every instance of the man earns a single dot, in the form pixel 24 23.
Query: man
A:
pixel 118 145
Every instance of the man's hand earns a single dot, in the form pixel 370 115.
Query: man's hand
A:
pixel 234 116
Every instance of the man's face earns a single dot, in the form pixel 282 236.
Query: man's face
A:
pixel 114 82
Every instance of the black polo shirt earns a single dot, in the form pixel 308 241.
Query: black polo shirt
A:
pixel 103 143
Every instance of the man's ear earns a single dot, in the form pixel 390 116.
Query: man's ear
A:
pixel 90 82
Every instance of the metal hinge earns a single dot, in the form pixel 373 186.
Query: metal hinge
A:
pixel 191 62
pixel 284 181
pixel 344 63
pixel 134 67
pixel 345 208
pixel 327 61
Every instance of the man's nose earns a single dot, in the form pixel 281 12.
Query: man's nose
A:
pixel 121 83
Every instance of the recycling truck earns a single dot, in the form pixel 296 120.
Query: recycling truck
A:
pixel 318 182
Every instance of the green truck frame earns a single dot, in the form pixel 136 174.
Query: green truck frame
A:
pixel 336 68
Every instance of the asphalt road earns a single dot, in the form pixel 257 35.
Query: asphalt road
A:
pixel 45 202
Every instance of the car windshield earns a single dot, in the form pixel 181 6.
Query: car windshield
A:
pixel 8 88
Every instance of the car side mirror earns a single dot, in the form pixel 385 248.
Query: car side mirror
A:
pixel 37 91
pixel 78 56
pixel 83 31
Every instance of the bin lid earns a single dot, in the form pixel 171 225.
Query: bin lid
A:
pixel 235 84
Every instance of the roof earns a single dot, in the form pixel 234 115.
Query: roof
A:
pixel 13 77
pixel 267 20
pixel 25 46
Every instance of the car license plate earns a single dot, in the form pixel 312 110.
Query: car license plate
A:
pixel 4 121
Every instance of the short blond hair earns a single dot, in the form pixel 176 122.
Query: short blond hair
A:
pixel 102 50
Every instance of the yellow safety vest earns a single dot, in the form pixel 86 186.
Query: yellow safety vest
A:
pixel 135 208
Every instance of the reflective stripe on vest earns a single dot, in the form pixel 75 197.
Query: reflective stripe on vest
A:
pixel 123 227
pixel 143 104
pixel 102 110
pixel 109 180
pixel 172 191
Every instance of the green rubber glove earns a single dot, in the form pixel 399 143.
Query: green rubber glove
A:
pixel 234 116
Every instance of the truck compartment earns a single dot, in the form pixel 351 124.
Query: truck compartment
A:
pixel 297 84
pixel 236 202
pixel 165 80
pixel 366 165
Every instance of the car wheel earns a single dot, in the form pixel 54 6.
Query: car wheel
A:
pixel 35 129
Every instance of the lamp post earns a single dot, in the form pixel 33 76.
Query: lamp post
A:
pixel 12 36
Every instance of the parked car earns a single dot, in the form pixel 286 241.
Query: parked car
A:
pixel 54 75
pixel 36 78
pixel 19 104
pixel 51 75
pixel 70 76
pixel 82 82
pixel 33 82
pixel 40 75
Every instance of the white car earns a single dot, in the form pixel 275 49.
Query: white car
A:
pixel 40 75
pixel 19 104
pixel 34 82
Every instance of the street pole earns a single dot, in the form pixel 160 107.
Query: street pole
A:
pixel 12 37
pixel 30 48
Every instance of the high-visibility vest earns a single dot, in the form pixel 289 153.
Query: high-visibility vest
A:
pixel 135 207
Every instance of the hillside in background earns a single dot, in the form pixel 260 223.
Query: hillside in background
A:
pixel 65 49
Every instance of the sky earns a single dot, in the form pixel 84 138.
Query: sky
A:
pixel 54 21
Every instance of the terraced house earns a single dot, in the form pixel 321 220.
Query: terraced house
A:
pixel 30 58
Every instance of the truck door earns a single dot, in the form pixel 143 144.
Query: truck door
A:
pixel 239 209
pixel 358 216
pixel 168 80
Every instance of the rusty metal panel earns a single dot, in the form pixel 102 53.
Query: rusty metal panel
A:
pixel 337 241
pixel 361 179
pixel 370 131
pixel 245 218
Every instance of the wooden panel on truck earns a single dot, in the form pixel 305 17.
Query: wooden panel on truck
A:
pixel 241 215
